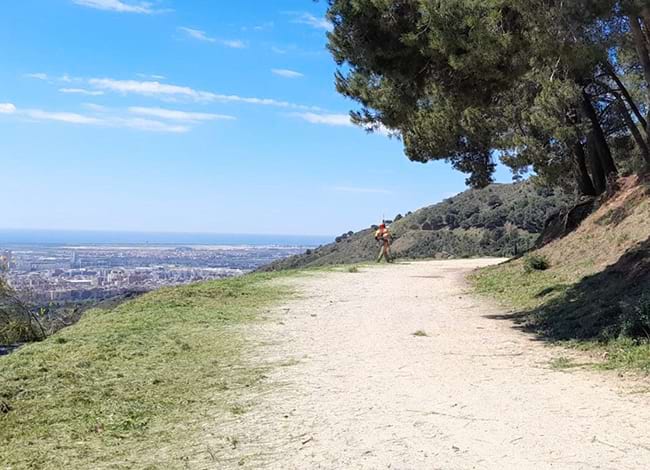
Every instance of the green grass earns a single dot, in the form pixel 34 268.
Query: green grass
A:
pixel 510 284
pixel 546 304
pixel 562 363
pixel 130 387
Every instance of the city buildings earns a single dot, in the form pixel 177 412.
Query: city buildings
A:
pixel 47 275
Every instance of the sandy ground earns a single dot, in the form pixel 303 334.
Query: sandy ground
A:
pixel 357 390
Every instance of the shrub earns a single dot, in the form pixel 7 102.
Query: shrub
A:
pixel 635 322
pixel 535 263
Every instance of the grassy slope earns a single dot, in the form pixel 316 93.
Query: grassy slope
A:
pixel 469 224
pixel 130 386
pixel 598 278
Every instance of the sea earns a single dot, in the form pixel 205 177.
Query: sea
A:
pixel 88 237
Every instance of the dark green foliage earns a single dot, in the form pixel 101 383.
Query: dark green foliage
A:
pixel 535 263
pixel 557 87
pixel 469 224
pixel 635 322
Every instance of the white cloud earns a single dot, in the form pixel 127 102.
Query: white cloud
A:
pixel 350 189
pixel 314 22
pixel 175 115
pixel 7 108
pixel 71 118
pixel 99 120
pixel 98 108
pixel 81 91
pixel 200 35
pixel 148 88
pixel 327 119
pixel 163 90
pixel 385 131
pixel 152 77
pixel 37 76
pixel 149 125
pixel 286 73
pixel 343 120
pixel 119 6
pixel 233 43
pixel 197 34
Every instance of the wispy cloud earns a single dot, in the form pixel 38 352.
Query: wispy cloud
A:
pixel 200 35
pixel 233 43
pixel 71 118
pixel 311 20
pixel 266 26
pixel 343 120
pixel 81 91
pixel 149 125
pixel 175 115
pixel 148 88
pixel 164 90
pixel 119 6
pixel 150 77
pixel 7 108
pixel 358 190
pixel 37 76
pixel 102 117
pixel 326 119
pixel 286 73
pixel 98 108
pixel 197 34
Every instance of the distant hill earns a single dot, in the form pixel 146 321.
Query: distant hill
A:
pixel 496 221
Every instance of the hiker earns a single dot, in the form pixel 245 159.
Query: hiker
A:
pixel 382 235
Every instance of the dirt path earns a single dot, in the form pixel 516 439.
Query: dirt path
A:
pixel 359 391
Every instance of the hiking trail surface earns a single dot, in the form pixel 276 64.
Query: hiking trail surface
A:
pixel 357 389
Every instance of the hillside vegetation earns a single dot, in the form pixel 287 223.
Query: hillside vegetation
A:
pixel 593 285
pixel 499 220
pixel 130 387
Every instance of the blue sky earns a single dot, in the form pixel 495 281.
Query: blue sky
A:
pixel 190 116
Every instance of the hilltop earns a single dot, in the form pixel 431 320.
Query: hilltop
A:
pixel 499 220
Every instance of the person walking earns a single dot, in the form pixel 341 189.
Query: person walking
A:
pixel 382 235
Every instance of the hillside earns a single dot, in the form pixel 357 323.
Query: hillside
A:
pixel 129 386
pixel 499 220
pixel 596 285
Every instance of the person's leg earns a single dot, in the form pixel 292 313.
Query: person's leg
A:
pixel 381 254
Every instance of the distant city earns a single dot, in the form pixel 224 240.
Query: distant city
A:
pixel 51 274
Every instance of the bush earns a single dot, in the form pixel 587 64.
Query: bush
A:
pixel 535 263
pixel 18 322
pixel 635 322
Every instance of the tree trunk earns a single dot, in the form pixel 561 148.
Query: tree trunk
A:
pixel 602 147
pixel 626 94
pixel 641 46
pixel 645 16
pixel 597 173
pixel 585 185
pixel 642 144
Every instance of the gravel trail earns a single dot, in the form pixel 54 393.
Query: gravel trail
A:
pixel 356 389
